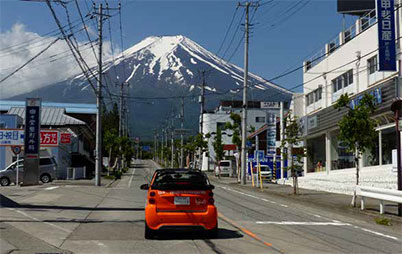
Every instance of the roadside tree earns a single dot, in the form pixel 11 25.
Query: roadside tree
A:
pixel 292 138
pixel 357 129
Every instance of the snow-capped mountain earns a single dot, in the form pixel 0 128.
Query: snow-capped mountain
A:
pixel 162 67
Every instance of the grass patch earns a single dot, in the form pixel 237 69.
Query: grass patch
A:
pixel 383 221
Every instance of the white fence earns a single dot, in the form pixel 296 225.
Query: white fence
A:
pixel 380 194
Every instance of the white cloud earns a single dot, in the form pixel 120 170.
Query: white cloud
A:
pixel 56 64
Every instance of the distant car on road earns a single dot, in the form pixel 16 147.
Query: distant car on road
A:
pixel 47 171
pixel 226 167
pixel 180 199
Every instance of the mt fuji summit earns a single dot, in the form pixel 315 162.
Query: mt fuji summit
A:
pixel 156 72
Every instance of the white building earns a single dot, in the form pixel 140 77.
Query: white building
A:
pixel 348 64
pixel 257 114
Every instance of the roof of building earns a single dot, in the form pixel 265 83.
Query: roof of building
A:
pixel 79 108
pixel 50 116
pixel 259 131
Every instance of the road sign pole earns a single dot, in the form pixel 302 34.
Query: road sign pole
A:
pixel 17 182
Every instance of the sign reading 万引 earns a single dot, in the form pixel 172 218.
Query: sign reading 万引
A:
pixel 386 35
pixel 32 126
pixel 49 138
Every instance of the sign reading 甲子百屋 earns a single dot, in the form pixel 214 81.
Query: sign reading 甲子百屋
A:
pixel 386 35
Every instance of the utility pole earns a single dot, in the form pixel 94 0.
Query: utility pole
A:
pixel 98 156
pixel 121 111
pixel 181 136
pixel 201 116
pixel 244 110
pixel 172 136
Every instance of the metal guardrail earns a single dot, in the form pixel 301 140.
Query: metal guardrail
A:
pixel 380 194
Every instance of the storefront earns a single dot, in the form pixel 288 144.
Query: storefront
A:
pixel 325 152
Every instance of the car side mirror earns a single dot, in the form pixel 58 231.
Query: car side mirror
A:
pixel 144 187
pixel 211 186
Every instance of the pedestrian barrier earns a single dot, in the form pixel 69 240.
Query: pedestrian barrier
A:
pixel 380 194
pixel 76 173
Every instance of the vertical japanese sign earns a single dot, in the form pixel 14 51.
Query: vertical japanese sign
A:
pixel 32 141
pixel 32 127
pixel 386 35
pixel 271 133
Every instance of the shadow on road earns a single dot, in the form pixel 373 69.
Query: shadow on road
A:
pixel 199 235
pixel 83 221
pixel 6 202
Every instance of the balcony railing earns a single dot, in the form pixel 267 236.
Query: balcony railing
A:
pixel 362 24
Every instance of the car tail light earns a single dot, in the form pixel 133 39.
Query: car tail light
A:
pixel 151 201
pixel 211 194
pixel 152 194
pixel 211 201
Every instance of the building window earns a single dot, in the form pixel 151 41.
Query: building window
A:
pixel 342 81
pixel 372 65
pixel 260 119
pixel 316 154
pixel 314 96
pixel 341 157
pixel 388 144
pixel 220 126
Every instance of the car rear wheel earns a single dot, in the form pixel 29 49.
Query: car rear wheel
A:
pixel 4 181
pixel 149 233
pixel 45 178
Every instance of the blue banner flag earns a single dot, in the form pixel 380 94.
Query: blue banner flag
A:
pixel 386 35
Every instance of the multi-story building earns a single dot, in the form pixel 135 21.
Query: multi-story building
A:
pixel 257 116
pixel 348 64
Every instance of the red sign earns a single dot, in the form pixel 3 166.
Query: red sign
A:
pixel 65 138
pixel 16 149
pixel 229 147
pixel 49 138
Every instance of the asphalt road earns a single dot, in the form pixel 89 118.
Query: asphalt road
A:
pixel 60 218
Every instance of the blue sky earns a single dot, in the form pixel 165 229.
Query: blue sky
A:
pixel 272 51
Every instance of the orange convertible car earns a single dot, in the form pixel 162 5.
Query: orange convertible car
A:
pixel 179 199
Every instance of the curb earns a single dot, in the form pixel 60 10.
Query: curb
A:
pixel 109 184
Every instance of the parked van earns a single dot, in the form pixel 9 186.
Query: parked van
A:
pixel 226 167
pixel 47 171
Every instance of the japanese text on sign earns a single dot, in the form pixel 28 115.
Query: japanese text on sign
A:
pixel 386 35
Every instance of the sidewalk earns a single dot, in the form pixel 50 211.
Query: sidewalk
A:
pixel 333 201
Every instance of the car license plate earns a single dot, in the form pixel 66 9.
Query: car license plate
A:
pixel 181 200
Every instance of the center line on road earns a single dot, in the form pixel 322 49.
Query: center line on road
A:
pixel 131 178
pixel 303 223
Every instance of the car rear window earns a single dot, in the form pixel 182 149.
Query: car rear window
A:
pixel 225 164
pixel 45 161
pixel 186 180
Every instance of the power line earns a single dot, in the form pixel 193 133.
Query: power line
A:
pixel 30 60
pixel 85 27
pixel 234 35
pixel 227 31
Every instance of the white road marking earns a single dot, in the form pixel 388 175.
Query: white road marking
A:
pixel 303 223
pixel 36 219
pixel 52 188
pixel 131 178
pixel 316 215
pixel 251 196
pixel 376 233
